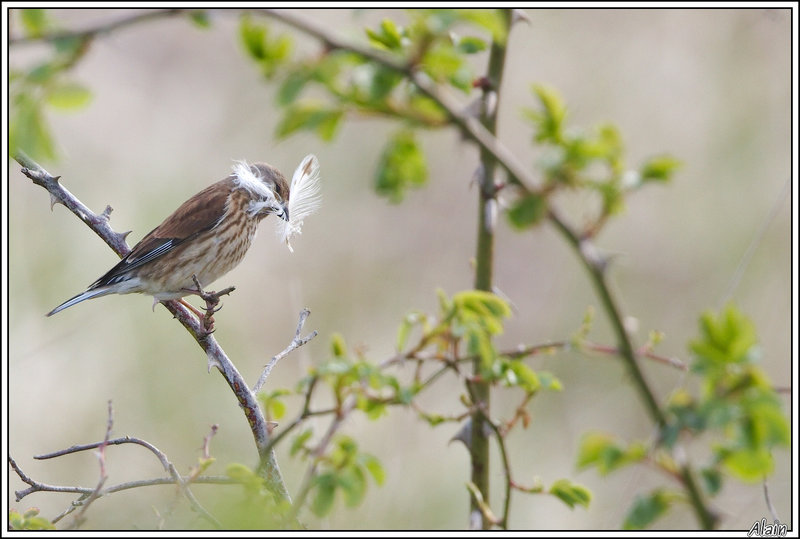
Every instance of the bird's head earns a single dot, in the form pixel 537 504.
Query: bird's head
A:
pixel 270 193
pixel 267 188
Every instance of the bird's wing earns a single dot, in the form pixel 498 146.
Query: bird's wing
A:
pixel 200 213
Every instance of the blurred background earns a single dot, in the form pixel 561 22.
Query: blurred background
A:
pixel 174 105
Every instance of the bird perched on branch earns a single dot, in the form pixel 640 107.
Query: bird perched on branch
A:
pixel 209 234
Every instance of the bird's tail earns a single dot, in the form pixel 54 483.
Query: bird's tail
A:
pixel 89 294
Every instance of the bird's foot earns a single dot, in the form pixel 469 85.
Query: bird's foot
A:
pixel 212 302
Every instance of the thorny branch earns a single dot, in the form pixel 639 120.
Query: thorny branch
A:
pixel 268 465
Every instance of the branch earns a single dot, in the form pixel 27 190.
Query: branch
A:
pixel 101 457
pixel 37 486
pixel 268 465
pixel 297 342
pixel 469 125
pixel 89 495
pixel 91 33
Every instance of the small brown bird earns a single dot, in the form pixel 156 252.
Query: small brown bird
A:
pixel 209 234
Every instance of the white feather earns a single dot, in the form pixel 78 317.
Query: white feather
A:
pixel 243 177
pixel 304 198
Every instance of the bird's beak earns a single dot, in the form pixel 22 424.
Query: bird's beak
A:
pixel 283 213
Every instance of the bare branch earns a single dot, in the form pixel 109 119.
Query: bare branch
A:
pixel 297 342
pixel 60 195
pixel 101 457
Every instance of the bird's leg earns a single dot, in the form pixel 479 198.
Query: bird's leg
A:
pixel 211 299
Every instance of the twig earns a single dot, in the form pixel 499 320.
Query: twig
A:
pixel 101 457
pixel 162 457
pixel 768 501
pixel 758 238
pixel 90 33
pixel 297 342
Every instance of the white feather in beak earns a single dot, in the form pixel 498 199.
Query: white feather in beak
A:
pixel 304 198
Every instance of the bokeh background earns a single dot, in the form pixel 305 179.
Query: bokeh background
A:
pixel 175 104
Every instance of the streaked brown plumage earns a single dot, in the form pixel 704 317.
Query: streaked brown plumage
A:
pixel 209 234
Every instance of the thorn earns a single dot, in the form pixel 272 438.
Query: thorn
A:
pixel 518 15
pixel 484 83
pixel 125 234
pixel 53 201
pixel 107 212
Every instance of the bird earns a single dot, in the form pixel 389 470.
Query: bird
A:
pixel 209 234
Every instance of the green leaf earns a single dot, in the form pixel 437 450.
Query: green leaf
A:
pixel 309 116
pixel 600 450
pixel 338 346
pixel 549 381
pixel 428 108
pixel 443 62
pixel 646 509
pixel 34 21
pixel 570 493
pixel 481 309
pixel 527 379
pixel 299 441
pixel 253 38
pixel 471 45
pixel 324 493
pixel 353 485
pixel 659 169
pixel 527 211
pixel 388 38
pixel 374 467
pixel 291 87
pixel 728 338
pixel 411 320
pixel 402 165
pixel 200 19
pixel 489 19
pixel 242 474
pixel 382 82
pixel 275 407
pixel 70 95
pixel 749 464
pixel 549 121
pixel 712 480
pixel 28 131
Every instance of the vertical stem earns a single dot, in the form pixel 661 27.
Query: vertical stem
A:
pixel 484 258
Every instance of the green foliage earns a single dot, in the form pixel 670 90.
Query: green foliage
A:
pixel 35 22
pixel 29 520
pixel 659 169
pixel 254 507
pixel 402 165
pixel 737 399
pixel 527 211
pixel 270 54
pixel 200 19
pixel 69 95
pixel 737 409
pixel 45 84
pixel 603 452
pixel 571 493
pixel 574 159
pixel 344 469
pixel 431 42
pixel 310 116
pixel 273 404
pixel 646 509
